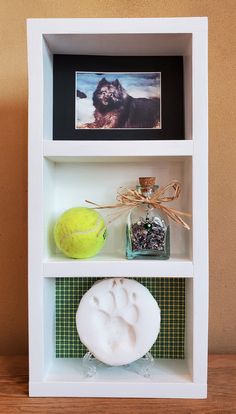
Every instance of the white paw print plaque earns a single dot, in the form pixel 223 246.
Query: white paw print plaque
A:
pixel 118 320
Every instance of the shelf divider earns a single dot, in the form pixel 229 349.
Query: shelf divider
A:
pixel 62 150
pixel 112 266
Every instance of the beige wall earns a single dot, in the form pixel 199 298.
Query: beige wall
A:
pixel 13 158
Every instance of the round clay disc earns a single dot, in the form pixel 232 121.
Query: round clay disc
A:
pixel 118 320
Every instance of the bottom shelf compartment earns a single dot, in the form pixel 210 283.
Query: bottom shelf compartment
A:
pixel 168 292
pixel 169 379
pixel 172 372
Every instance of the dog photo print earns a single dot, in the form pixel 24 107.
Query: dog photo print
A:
pixel 117 100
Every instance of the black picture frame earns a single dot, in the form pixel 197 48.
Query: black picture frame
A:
pixel 172 95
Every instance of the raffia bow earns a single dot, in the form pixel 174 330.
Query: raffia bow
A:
pixel 129 198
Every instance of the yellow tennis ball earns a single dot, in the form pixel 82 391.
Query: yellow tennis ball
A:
pixel 80 232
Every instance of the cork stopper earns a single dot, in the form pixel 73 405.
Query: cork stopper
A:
pixel 147 182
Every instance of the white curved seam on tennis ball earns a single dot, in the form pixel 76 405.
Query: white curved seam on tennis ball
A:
pixel 84 232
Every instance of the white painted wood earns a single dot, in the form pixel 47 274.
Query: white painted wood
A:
pixel 35 207
pixel 47 91
pixel 164 371
pixel 63 174
pixel 121 45
pixel 200 204
pixel 48 316
pixel 188 114
pixel 48 205
pixel 108 390
pixel 64 151
pixel 116 266
pixel 189 322
pixel 119 25
pixel 170 379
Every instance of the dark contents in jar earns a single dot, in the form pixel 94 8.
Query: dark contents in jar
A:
pixel 147 236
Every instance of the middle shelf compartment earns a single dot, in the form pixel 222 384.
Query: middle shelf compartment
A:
pixel 69 182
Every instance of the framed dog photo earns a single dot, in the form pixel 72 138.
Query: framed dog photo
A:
pixel 117 98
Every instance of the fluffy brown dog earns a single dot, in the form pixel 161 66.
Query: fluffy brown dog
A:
pixel 114 108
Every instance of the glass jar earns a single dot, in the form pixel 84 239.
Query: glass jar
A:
pixel 147 231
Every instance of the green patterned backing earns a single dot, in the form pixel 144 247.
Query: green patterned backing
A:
pixel 169 293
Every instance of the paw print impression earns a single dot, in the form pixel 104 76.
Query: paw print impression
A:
pixel 118 320
pixel 117 313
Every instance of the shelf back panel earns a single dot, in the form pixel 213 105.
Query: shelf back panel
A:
pixel 169 293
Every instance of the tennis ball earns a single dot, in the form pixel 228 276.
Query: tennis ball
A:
pixel 80 232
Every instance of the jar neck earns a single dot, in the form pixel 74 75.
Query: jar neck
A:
pixel 147 191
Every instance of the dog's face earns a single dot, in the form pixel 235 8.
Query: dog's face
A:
pixel 109 95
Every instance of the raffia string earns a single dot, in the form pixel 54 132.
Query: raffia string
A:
pixel 129 198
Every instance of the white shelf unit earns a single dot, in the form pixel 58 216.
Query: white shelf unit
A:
pixel 63 174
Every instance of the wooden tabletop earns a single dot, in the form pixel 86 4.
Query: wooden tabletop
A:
pixel 14 394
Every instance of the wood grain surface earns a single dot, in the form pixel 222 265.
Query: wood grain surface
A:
pixel 14 394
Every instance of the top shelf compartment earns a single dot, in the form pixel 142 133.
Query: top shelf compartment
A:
pixel 116 37
pixel 160 37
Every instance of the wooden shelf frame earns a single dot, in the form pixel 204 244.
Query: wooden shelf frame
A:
pixel 174 36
